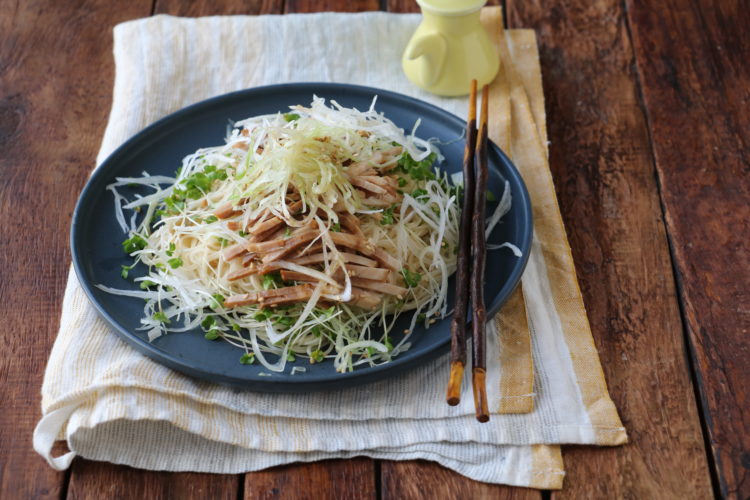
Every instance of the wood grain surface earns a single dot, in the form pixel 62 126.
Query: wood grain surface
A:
pixel 300 6
pixel 56 74
pixel 693 58
pixel 100 480
pixel 647 114
pixel 347 479
pixel 419 479
pixel 197 8
pixel 601 161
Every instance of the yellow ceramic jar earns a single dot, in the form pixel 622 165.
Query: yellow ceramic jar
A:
pixel 450 48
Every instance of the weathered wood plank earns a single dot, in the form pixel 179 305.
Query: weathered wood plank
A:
pixel 97 480
pixel 412 6
pixel 692 57
pixel 346 479
pixel 218 7
pixel 299 6
pixel 425 480
pixel 55 88
pixel 604 176
pixel 402 6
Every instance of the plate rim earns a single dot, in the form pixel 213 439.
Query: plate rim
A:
pixel 303 383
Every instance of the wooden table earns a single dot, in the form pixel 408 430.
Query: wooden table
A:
pixel 649 119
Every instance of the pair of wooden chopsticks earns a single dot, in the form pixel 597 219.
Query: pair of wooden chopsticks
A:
pixel 471 263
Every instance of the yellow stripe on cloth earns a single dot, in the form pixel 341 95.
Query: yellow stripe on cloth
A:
pixel 514 337
pixel 530 156
pixel 546 467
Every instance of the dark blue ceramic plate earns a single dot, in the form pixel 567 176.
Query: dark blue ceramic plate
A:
pixel 159 149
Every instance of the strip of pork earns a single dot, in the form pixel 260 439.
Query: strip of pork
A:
pixel 364 299
pixel 365 247
pixel 289 244
pixel 288 275
pixel 349 258
pixel 278 296
pixel 367 185
pixel 379 286
pixel 350 222
pixel 275 221
pixel 370 273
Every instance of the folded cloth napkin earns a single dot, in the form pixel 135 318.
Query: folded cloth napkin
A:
pixel 111 403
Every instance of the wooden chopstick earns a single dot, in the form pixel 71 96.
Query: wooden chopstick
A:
pixel 479 255
pixel 458 324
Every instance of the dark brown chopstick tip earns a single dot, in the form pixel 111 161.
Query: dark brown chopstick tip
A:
pixel 453 396
pixel 463 267
pixel 478 262
pixel 480 394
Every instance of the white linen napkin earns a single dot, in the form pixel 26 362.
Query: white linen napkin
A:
pixel 111 403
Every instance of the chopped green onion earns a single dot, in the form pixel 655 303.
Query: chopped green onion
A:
pixel 327 312
pixel 218 301
pixel 411 279
pixel 388 343
pixel 133 244
pixel 146 284
pixel 248 358
pixel 418 170
pixel 125 269
pixel 283 320
pixel 161 317
pixel 271 280
pixel 419 193
pixel 386 217
pixel 199 183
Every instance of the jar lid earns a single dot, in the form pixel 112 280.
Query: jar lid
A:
pixel 451 7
